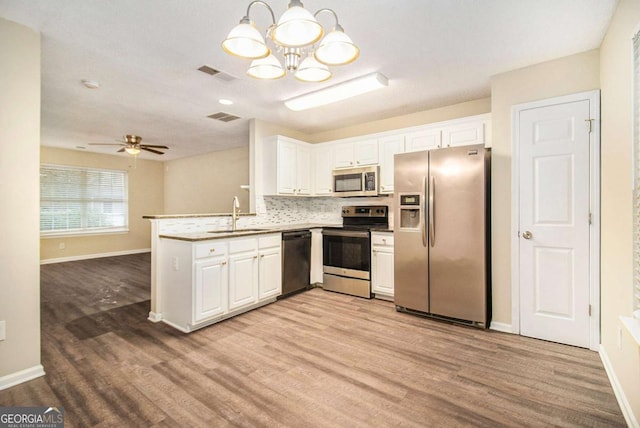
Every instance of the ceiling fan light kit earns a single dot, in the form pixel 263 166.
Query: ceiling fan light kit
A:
pixel 131 145
pixel 294 36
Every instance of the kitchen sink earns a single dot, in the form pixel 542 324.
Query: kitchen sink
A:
pixel 237 231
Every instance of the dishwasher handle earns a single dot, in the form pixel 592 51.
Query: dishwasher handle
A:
pixel 303 234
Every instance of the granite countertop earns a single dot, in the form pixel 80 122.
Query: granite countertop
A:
pixel 248 231
pixel 168 216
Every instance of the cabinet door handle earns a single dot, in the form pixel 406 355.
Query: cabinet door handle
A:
pixel 224 263
pixel 261 255
pixel 212 250
pixel 255 257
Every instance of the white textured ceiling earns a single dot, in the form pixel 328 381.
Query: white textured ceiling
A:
pixel 145 54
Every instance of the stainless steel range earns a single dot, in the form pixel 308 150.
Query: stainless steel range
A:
pixel 347 250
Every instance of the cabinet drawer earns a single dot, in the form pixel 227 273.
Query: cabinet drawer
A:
pixel 210 249
pixel 243 245
pixel 269 241
pixel 382 239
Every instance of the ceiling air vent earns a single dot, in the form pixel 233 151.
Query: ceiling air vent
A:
pixel 209 70
pixel 213 72
pixel 223 117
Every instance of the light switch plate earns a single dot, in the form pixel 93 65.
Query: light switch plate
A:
pixel 3 331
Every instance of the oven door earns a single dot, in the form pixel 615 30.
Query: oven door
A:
pixel 346 253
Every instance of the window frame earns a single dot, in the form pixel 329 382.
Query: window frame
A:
pixel 84 230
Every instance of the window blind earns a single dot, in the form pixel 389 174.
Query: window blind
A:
pixel 636 171
pixel 82 200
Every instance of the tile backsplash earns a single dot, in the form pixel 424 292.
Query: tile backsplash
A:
pixel 277 210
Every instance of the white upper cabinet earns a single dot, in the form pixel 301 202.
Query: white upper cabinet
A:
pixel 303 170
pixel 359 153
pixel 464 134
pixel 366 152
pixel 423 140
pixel 388 147
pixel 296 168
pixel 286 166
pixel 323 164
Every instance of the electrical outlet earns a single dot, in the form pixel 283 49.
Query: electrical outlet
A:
pixel 619 337
pixel 3 330
pixel 62 246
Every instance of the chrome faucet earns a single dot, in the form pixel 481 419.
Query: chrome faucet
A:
pixel 236 211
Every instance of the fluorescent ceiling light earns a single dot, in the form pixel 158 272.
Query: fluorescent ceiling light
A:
pixel 339 92
pixel 225 101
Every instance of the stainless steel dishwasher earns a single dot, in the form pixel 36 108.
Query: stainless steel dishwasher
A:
pixel 296 261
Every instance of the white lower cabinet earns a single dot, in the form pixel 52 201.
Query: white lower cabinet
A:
pixel 210 288
pixel 243 280
pixel 269 267
pixel 208 281
pixel 382 264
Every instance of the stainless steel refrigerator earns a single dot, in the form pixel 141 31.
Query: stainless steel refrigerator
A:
pixel 442 235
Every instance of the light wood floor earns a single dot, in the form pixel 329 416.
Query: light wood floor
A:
pixel 317 359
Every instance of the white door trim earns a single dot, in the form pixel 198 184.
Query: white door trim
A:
pixel 594 198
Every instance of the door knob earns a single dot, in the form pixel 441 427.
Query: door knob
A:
pixel 527 235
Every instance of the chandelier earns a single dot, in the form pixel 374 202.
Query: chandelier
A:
pixel 295 36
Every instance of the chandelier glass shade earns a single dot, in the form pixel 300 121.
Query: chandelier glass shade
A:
pixel 245 41
pixel 298 37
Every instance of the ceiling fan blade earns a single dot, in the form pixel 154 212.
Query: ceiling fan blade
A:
pixel 151 145
pixel 151 150
pixel 105 144
pixel 121 150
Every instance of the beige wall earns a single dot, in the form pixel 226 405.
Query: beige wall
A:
pixel 146 197
pixel 19 216
pixel 207 183
pixel 455 111
pixel 616 233
pixel 563 76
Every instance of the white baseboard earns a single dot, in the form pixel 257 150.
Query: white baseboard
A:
pixel 21 376
pixel 154 316
pixel 500 326
pixel 627 412
pixel 94 256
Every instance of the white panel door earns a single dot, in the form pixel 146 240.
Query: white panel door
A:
pixel 303 170
pixel 243 280
pixel 323 165
pixel 270 276
pixel 210 288
pixel 388 147
pixel 365 152
pixel 286 167
pixel 554 222
pixel 463 135
pixel 423 140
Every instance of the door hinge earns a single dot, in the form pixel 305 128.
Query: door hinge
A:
pixel 589 310
pixel 590 124
pixel 590 218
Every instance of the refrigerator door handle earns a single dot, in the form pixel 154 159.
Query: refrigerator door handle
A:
pixel 424 227
pixel 432 209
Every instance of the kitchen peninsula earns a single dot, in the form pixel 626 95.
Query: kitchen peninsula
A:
pixel 204 272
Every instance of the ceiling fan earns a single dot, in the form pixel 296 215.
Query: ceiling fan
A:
pixel 131 144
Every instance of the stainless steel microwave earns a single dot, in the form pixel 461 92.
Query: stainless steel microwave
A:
pixel 361 181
